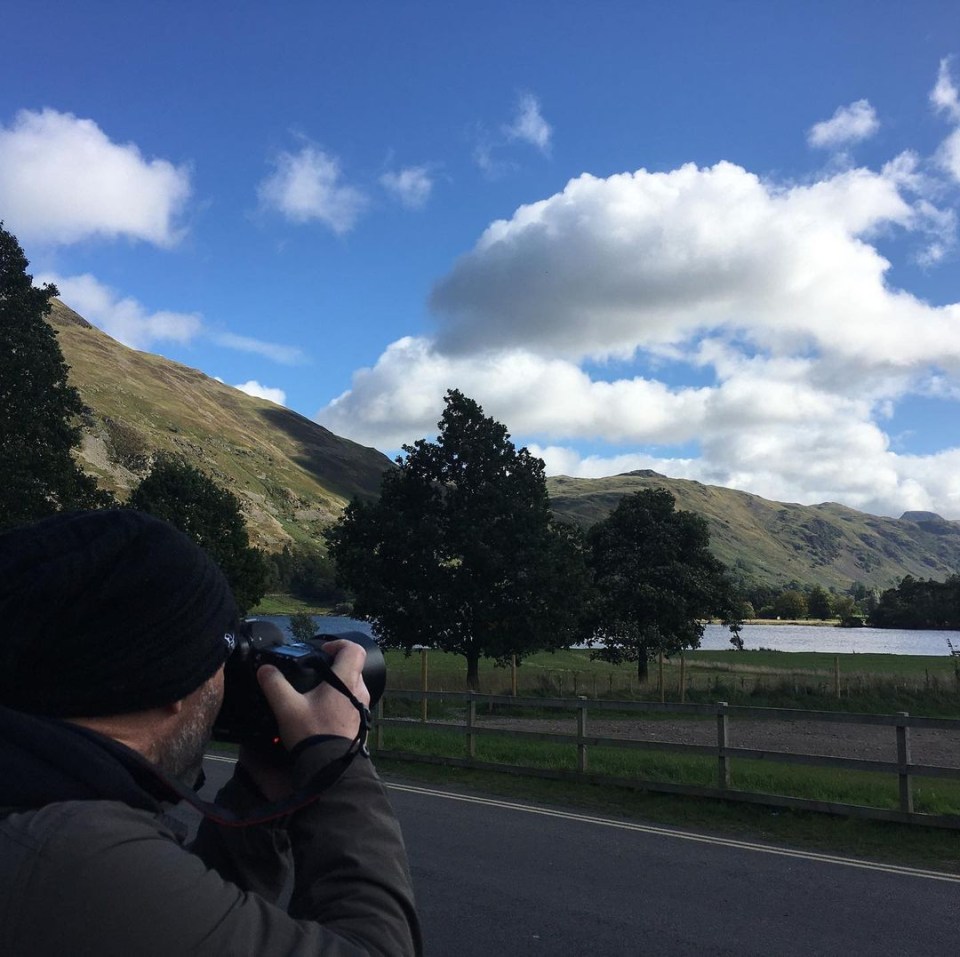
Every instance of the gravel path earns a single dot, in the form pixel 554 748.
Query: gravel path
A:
pixel 868 742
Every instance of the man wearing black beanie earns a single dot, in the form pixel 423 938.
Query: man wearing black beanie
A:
pixel 116 628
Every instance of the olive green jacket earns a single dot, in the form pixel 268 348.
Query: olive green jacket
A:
pixel 98 876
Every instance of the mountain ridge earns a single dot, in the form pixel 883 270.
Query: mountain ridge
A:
pixel 828 544
pixel 294 477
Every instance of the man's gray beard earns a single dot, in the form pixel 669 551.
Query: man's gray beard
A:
pixel 181 755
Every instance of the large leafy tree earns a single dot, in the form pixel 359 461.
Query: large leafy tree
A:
pixel 655 579
pixel 460 552
pixel 182 495
pixel 38 407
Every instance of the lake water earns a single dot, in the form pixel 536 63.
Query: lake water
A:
pixel 884 641
pixel 327 624
pixel 889 641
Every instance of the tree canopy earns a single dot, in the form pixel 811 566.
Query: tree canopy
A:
pixel 182 495
pixel 460 551
pixel 655 579
pixel 819 603
pixel 38 407
pixel 919 603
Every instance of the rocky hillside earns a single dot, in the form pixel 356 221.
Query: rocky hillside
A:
pixel 774 542
pixel 292 476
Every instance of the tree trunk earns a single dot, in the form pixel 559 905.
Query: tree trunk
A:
pixel 473 672
pixel 643 668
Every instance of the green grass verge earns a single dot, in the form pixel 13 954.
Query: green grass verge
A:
pixel 871 789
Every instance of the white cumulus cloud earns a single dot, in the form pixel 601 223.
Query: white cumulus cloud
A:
pixel 529 125
pixel 565 320
pixel 849 124
pixel 650 260
pixel 410 186
pixel 254 388
pixel 307 186
pixel 63 180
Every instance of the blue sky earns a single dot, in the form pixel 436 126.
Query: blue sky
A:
pixel 714 239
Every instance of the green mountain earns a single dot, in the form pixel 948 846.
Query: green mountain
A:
pixel 830 545
pixel 292 476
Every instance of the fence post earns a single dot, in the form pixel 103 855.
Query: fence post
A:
pixel 581 734
pixel 423 685
pixel 513 675
pixel 903 760
pixel 378 727
pixel 723 766
pixel 836 675
pixel 471 721
pixel 683 679
pixel 660 675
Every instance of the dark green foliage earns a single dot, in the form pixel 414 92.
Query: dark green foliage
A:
pixel 211 516
pixel 791 603
pixel 305 573
pixel 916 603
pixel 302 626
pixel 655 579
pixel 38 407
pixel 819 604
pixel 460 552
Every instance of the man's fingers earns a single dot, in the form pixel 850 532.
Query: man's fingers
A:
pixel 277 690
pixel 323 710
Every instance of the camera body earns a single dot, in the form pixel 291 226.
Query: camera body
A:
pixel 245 716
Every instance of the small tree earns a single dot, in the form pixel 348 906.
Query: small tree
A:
pixel 302 626
pixel 211 516
pixel 460 552
pixel 38 407
pixel 819 604
pixel 790 604
pixel 655 579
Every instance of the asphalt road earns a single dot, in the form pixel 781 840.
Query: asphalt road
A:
pixel 497 878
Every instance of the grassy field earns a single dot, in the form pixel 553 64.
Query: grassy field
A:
pixel 867 682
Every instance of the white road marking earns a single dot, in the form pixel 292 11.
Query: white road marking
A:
pixel 685 835
pixel 665 832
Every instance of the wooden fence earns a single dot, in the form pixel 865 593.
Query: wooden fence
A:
pixel 471 729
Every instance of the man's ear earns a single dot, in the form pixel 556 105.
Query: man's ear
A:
pixel 174 707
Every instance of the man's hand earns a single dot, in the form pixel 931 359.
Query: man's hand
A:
pixel 322 710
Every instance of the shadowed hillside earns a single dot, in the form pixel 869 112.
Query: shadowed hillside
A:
pixel 292 476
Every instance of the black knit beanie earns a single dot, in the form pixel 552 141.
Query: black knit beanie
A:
pixel 107 612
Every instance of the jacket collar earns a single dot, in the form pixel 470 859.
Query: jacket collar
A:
pixel 43 760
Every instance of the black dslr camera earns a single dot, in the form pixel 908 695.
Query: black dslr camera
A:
pixel 245 716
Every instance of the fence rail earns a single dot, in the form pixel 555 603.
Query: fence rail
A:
pixel 721 750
